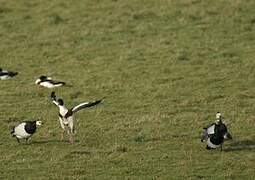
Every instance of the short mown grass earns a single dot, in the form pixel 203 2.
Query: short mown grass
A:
pixel 165 67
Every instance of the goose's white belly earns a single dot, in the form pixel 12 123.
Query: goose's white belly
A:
pixel 20 132
pixel 4 77
pixel 65 121
pixel 47 84
pixel 211 145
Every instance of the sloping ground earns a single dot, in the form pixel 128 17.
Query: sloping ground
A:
pixel 166 67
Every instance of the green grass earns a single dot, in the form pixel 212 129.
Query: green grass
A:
pixel 165 66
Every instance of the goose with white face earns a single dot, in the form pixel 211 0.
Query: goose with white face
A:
pixel 25 129
pixel 218 115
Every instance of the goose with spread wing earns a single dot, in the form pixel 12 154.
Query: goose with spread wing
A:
pixel 66 116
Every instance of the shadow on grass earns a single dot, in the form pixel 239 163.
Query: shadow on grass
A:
pixel 75 154
pixel 241 146
pixel 53 141
pixel 143 138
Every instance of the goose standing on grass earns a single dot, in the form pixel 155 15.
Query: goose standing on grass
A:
pixel 47 82
pixel 4 74
pixel 25 129
pixel 216 133
pixel 66 116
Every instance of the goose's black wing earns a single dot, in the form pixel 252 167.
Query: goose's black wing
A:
pixel 85 105
pixel 8 73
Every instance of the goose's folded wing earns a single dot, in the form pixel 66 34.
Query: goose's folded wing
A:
pixel 3 73
pixel 59 82
pixel 85 105
pixel 55 82
pixel 8 73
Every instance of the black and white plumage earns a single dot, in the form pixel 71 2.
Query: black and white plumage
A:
pixel 4 74
pixel 48 82
pixel 66 116
pixel 216 133
pixel 25 129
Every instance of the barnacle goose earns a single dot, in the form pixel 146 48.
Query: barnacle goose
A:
pixel 4 74
pixel 25 129
pixel 66 116
pixel 48 82
pixel 215 133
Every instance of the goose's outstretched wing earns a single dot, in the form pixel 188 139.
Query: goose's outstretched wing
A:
pixel 85 105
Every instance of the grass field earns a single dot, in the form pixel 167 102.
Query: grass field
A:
pixel 165 66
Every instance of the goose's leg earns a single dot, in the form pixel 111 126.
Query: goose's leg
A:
pixel 62 135
pixel 71 129
pixel 63 129
pixel 70 134
pixel 71 139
